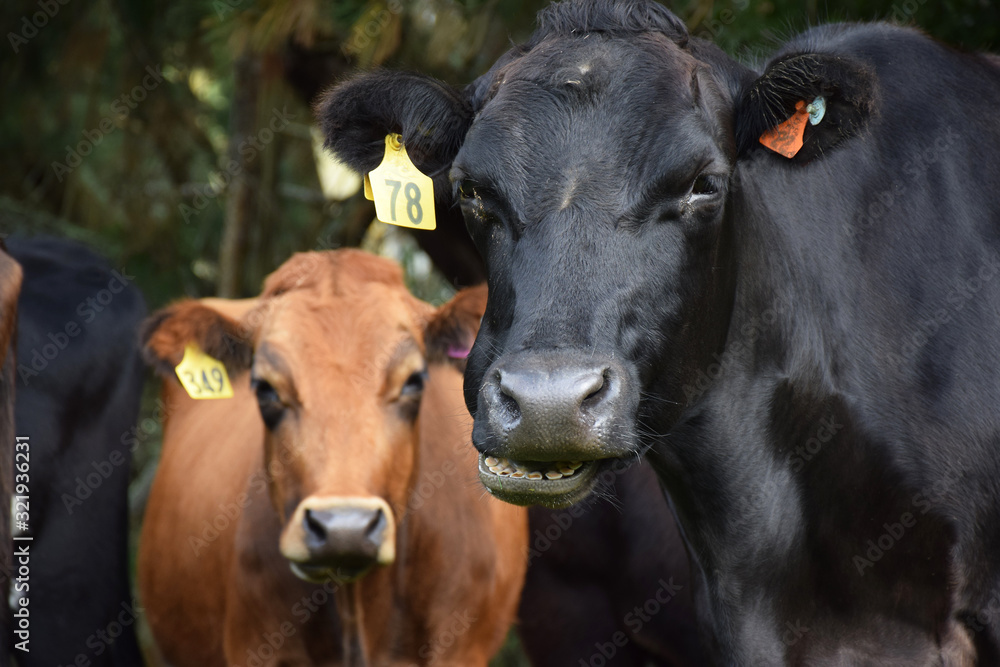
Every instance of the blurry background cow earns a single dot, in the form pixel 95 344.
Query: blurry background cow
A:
pixel 339 468
pixel 79 383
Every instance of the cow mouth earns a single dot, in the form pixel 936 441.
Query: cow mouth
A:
pixel 549 483
pixel 317 574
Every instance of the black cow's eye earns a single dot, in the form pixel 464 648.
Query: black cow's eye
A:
pixel 466 189
pixel 414 385
pixel 705 185
pixel 271 407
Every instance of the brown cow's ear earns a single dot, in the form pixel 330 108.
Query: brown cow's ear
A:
pixel 453 328
pixel 848 89
pixel 168 331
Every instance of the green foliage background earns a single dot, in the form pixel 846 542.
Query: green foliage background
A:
pixel 127 196
pixel 134 195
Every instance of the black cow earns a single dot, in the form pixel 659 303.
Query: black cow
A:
pixel 608 581
pixel 79 382
pixel 803 347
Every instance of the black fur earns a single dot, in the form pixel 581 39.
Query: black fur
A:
pixel 79 410
pixel 570 18
pixel 848 86
pixel 431 116
pixel 793 344
pixel 432 119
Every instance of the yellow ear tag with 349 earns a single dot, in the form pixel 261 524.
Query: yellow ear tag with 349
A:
pixel 203 376
pixel 403 195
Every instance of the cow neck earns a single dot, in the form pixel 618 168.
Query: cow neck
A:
pixel 783 293
pixel 349 608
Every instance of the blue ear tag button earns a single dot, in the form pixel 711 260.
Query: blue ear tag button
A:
pixel 816 109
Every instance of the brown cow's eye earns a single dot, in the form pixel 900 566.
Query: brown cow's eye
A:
pixel 414 385
pixel 271 407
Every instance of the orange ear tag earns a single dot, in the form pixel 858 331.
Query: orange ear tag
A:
pixel 786 138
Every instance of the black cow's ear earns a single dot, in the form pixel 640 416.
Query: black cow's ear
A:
pixel 166 333
pixel 453 328
pixel 431 116
pixel 848 88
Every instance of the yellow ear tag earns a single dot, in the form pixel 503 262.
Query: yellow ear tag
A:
pixel 203 376
pixel 403 195
pixel 368 189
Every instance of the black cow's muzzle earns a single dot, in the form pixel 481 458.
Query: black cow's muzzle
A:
pixel 546 419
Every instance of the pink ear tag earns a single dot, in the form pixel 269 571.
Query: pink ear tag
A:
pixel 458 352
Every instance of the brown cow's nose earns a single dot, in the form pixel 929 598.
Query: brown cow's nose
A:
pixel 339 536
pixel 347 537
pixel 550 407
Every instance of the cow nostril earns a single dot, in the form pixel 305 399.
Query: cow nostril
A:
pixel 596 390
pixel 507 400
pixel 314 527
pixel 374 524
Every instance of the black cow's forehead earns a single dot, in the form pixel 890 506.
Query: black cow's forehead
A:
pixel 593 114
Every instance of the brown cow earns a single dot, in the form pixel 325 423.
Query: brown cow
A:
pixel 10 287
pixel 351 422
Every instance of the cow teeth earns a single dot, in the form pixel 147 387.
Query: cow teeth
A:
pixel 506 472
pixel 566 470
pixel 534 475
pixel 503 463
pixel 517 474
pixel 491 461
pixel 552 474
pixel 575 465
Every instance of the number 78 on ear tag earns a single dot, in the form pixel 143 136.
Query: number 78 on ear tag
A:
pixel 403 195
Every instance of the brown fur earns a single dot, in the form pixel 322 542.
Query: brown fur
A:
pixel 333 320
pixel 456 326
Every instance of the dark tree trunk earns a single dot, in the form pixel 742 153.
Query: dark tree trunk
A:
pixel 241 202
